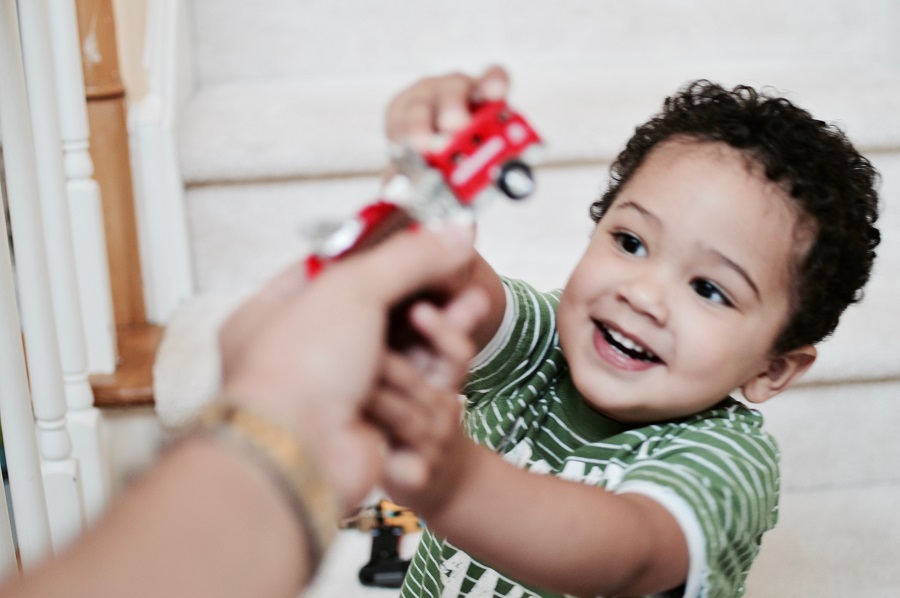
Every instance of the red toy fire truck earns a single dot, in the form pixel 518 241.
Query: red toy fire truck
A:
pixel 488 151
pixel 492 151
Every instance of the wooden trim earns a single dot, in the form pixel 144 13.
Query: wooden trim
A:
pixel 99 49
pixel 109 151
pixel 112 161
pixel 132 383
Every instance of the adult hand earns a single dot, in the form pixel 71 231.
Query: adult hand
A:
pixel 440 105
pixel 308 353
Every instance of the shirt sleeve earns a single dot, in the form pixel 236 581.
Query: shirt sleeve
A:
pixel 525 341
pixel 719 480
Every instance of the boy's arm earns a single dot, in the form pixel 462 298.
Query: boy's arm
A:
pixel 552 533
pixel 440 106
pixel 481 274
pixel 542 530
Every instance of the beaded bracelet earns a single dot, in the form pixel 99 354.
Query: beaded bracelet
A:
pixel 286 461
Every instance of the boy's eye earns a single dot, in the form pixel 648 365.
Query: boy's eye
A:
pixel 711 291
pixel 630 243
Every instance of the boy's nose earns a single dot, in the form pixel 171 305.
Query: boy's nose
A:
pixel 646 294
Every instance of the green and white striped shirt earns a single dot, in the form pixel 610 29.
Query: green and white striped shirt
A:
pixel 716 471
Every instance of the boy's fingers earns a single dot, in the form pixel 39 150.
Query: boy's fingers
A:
pixel 400 373
pixel 493 84
pixel 401 420
pixel 452 348
pixel 423 388
pixel 452 103
pixel 441 105
pixel 405 469
pixel 448 331
pixel 467 309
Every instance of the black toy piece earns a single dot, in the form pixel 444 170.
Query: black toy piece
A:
pixel 386 522
pixel 385 568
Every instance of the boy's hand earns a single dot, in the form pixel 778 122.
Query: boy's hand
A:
pixel 418 406
pixel 440 105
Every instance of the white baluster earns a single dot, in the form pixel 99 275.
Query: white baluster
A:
pixel 86 210
pixel 158 187
pixel 34 266
pixel 8 562
pixel 87 249
pixel 20 442
pixel 28 499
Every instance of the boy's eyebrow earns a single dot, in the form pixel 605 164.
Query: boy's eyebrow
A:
pixel 721 256
pixel 641 209
pixel 737 268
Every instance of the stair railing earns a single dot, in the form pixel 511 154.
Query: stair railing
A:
pixel 53 437
pixel 82 257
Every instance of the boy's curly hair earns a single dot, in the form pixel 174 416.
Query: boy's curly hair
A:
pixel 831 183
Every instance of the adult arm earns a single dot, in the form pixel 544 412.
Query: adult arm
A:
pixel 206 520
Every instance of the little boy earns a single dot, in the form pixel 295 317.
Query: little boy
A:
pixel 603 454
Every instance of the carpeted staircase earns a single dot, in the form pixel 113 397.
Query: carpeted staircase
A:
pixel 279 126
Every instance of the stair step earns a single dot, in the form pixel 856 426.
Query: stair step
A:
pixel 259 131
pixel 131 385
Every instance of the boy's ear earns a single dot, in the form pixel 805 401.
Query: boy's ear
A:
pixel 781 372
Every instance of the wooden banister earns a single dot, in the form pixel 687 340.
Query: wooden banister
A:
pixel 132 383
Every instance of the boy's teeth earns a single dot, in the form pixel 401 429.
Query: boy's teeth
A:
pixel 626 342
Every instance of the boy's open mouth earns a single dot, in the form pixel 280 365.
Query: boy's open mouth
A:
pixel 627 346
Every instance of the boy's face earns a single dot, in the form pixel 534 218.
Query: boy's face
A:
pixel 684 286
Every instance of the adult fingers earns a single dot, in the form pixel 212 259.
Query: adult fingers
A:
pixel 255 310
pixel 407 262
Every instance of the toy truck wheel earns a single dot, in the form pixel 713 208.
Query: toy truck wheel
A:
pixel 516 180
